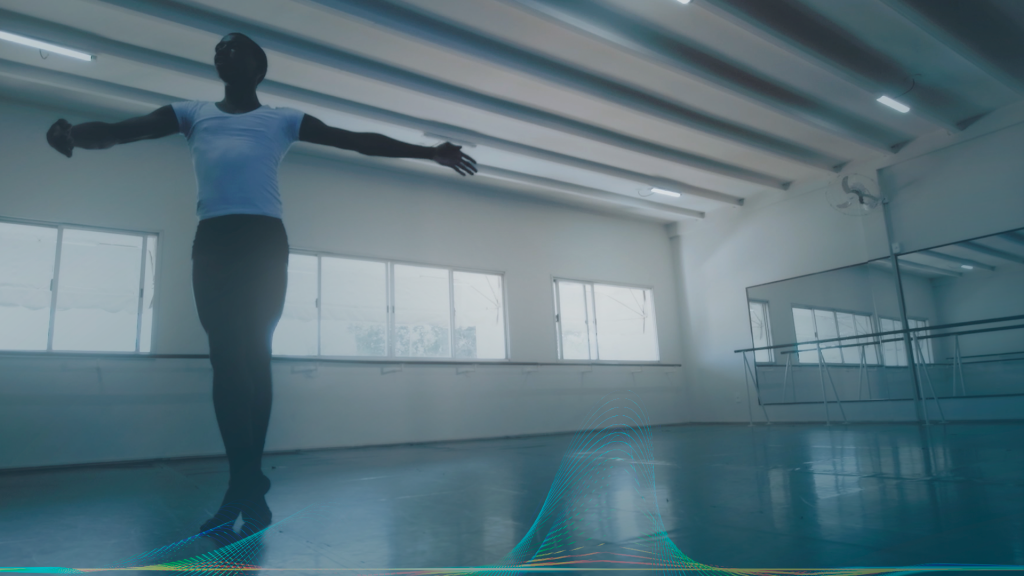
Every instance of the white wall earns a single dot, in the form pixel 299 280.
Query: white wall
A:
pixel 967 190
pixel 984 295
pixel 62 411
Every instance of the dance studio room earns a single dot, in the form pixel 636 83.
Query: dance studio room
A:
pixel 415 287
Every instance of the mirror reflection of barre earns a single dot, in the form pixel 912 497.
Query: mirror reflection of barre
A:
pixel 840 336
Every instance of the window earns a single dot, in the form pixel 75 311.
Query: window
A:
pixel 818 324
pixel 761 330
pixel 895 353
pixel 74 289
pixel 298 330
pixel 347 307
pixel 924 347
pixel 605 322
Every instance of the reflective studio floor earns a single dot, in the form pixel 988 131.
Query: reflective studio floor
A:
pixel 784 496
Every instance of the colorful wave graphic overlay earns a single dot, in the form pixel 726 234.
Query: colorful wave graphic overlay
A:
pixel 611 454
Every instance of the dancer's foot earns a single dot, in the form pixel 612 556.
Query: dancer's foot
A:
pixel 230 509
pixel 223 520
pixel 257 516
pixel 242 499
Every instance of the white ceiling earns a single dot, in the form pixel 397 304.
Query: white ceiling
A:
pixel 577 100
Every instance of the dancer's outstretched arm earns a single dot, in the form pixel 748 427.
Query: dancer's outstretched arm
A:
pixel 65 137
pixel 447 154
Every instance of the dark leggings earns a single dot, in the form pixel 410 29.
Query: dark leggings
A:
pixel 239 277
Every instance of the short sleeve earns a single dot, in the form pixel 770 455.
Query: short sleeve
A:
pixel 186 112
pixel 292 122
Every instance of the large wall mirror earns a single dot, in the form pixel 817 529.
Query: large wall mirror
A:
pixel 840 335
pixel 974 291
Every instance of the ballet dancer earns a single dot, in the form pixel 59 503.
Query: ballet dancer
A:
pixel 240 251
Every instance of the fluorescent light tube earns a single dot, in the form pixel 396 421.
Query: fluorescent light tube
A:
pixel 967 267
pixel 894 104
pixel 684 1
pixel 52 48
pixel 665 192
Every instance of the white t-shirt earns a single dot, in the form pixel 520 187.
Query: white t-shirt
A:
pixel 236 156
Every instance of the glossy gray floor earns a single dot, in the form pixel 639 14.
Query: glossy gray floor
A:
pixel 797 496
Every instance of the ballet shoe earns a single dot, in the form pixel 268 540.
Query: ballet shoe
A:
pixel 244 499
pixel 223 520
pixel 256 515
pixel 230 509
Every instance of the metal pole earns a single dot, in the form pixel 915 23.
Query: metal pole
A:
pixel 887 216
pixel 882 374
pixel 785 378
pixel 917 381
pixel 928 378
pixel 746 385
pixel 757 387
pixel 958 367
pixel 821 376
pixel 860 377
pixel 836 393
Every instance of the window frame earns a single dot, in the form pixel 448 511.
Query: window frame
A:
pixel 768 331
pixel 389 278
pixel 874 328
pixel 929 351
pixel 558 323
pixel 55 285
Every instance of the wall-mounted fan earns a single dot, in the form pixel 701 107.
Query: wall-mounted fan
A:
pixel 854 194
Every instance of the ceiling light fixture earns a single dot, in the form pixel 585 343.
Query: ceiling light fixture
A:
pixel 684 1
pixel 665 192
pixel 894 104
pixel 967 267
pixel 51 48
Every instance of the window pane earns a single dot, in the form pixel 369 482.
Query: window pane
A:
pixel 27 255
pixel 354 306
pixel 847 327
pixel 761 331
pixel 98 292
pixel 296 333
pixel 825 324
pixel 923 347
pixel 894 353
pixel 803 322
pixel 479 316
pixel 863 326
pixel 625 323
pixel 595 352
pixel 572 316
pixel 422 312
pixel 148 289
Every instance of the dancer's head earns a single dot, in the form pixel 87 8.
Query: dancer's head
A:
pixel 240 60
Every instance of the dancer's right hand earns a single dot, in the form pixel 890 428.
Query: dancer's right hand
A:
pixel 59 137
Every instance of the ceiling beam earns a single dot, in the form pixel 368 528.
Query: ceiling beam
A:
pixel 673 212
pixel 982 249
pixel 87 85
pixel 913 268
pixel 82 84
pixel 960 261
pixel 1014 237
pixel 797 30
pixel 946 26
pixel 82 40
pixel 214 23
pixel 926 268
pixel 443 131
pixel 435 30
pixel 651 43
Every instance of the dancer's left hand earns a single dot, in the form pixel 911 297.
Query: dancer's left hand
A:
pixel 450 155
